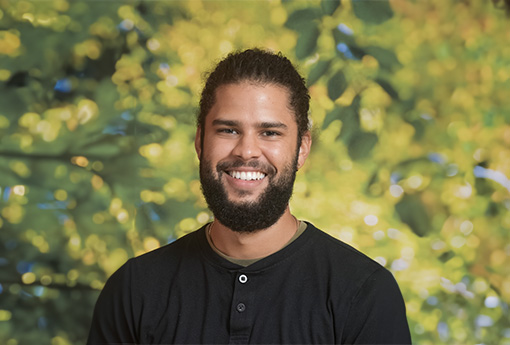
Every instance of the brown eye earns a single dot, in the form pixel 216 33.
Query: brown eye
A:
pixel 271 134
pixel 227 131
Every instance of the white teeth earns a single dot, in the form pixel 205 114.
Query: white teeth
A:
pixel 247 175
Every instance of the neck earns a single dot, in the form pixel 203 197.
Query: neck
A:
pixel 256 244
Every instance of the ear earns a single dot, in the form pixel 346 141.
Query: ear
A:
pixel 198 142
pixel 304 149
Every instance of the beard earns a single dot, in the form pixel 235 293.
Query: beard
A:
pixel 250 216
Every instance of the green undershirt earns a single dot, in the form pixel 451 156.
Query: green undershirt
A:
pixel 246 262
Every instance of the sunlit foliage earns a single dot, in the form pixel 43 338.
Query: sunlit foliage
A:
pixel 410 164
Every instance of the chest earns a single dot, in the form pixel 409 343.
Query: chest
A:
pixel 207 305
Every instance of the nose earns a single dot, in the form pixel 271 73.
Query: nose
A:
pixel 247 147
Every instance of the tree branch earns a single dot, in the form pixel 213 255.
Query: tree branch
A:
pixel 81 287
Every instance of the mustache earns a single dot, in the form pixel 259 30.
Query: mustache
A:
pixel 266 168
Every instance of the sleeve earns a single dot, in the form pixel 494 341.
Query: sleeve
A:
pixel 113 321
pixel 377 314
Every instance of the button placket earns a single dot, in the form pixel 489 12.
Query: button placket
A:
pixel 243 278
pixel 241 317
pixel 241 307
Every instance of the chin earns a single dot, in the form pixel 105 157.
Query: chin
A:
pixel 243 196
pixel 243 201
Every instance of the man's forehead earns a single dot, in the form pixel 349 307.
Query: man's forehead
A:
pixel 278 96
pixel 253 83
pixel 228 92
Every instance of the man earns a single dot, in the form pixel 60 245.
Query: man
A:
pixel 256 274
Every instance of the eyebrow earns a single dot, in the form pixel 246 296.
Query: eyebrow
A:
pixel 225 123
pixel 272 125
pixel 264 125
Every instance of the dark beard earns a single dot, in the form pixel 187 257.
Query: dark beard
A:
pixel 251 216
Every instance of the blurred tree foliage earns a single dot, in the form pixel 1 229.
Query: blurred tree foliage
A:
pixel 97 104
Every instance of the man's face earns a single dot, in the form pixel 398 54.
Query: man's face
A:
pixel 249 155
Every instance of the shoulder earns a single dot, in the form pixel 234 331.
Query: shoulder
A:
pixel 337 249
pixel 142 281
pixel 342 260
pixel 174 248
pixel 167 258
pixel 375 312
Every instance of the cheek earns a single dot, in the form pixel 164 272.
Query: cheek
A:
pixel 280 158
pixel 214 155
pixel 213 149
pixel 280 152
pixel 275 155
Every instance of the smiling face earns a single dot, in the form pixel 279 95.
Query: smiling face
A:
pixel 249 155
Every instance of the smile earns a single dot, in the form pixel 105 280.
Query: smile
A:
pixel 247 175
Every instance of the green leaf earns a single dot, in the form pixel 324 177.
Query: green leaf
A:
pixel 372 12
pixel 492 209
pixel 337 85
pixel 340 37
pixel 8 177
pixel 102 149
pixel 302 18
pixel 357 51
pixel 446 256
pixel 483 187
pixel 318 71
pixel 333 115
pixel 488 118
pixel 12 105
pixel 419 128
pixel 105 92
pixel 307 41
pixel 361 144
pixel 371 188
pixel 350 121
pixel 388 88
pixel 329 6
pixel 386 58
pixel 411 211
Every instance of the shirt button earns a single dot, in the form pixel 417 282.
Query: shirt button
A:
pixel 241 307
pixel 243 278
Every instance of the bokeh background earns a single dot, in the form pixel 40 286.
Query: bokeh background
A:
pixel 410 163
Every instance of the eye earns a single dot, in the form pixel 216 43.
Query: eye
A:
pixel 227 131
pixel 270 134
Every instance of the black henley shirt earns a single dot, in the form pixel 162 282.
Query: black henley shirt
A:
pixel 315 290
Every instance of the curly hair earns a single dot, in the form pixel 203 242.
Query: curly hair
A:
pixel 258 66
